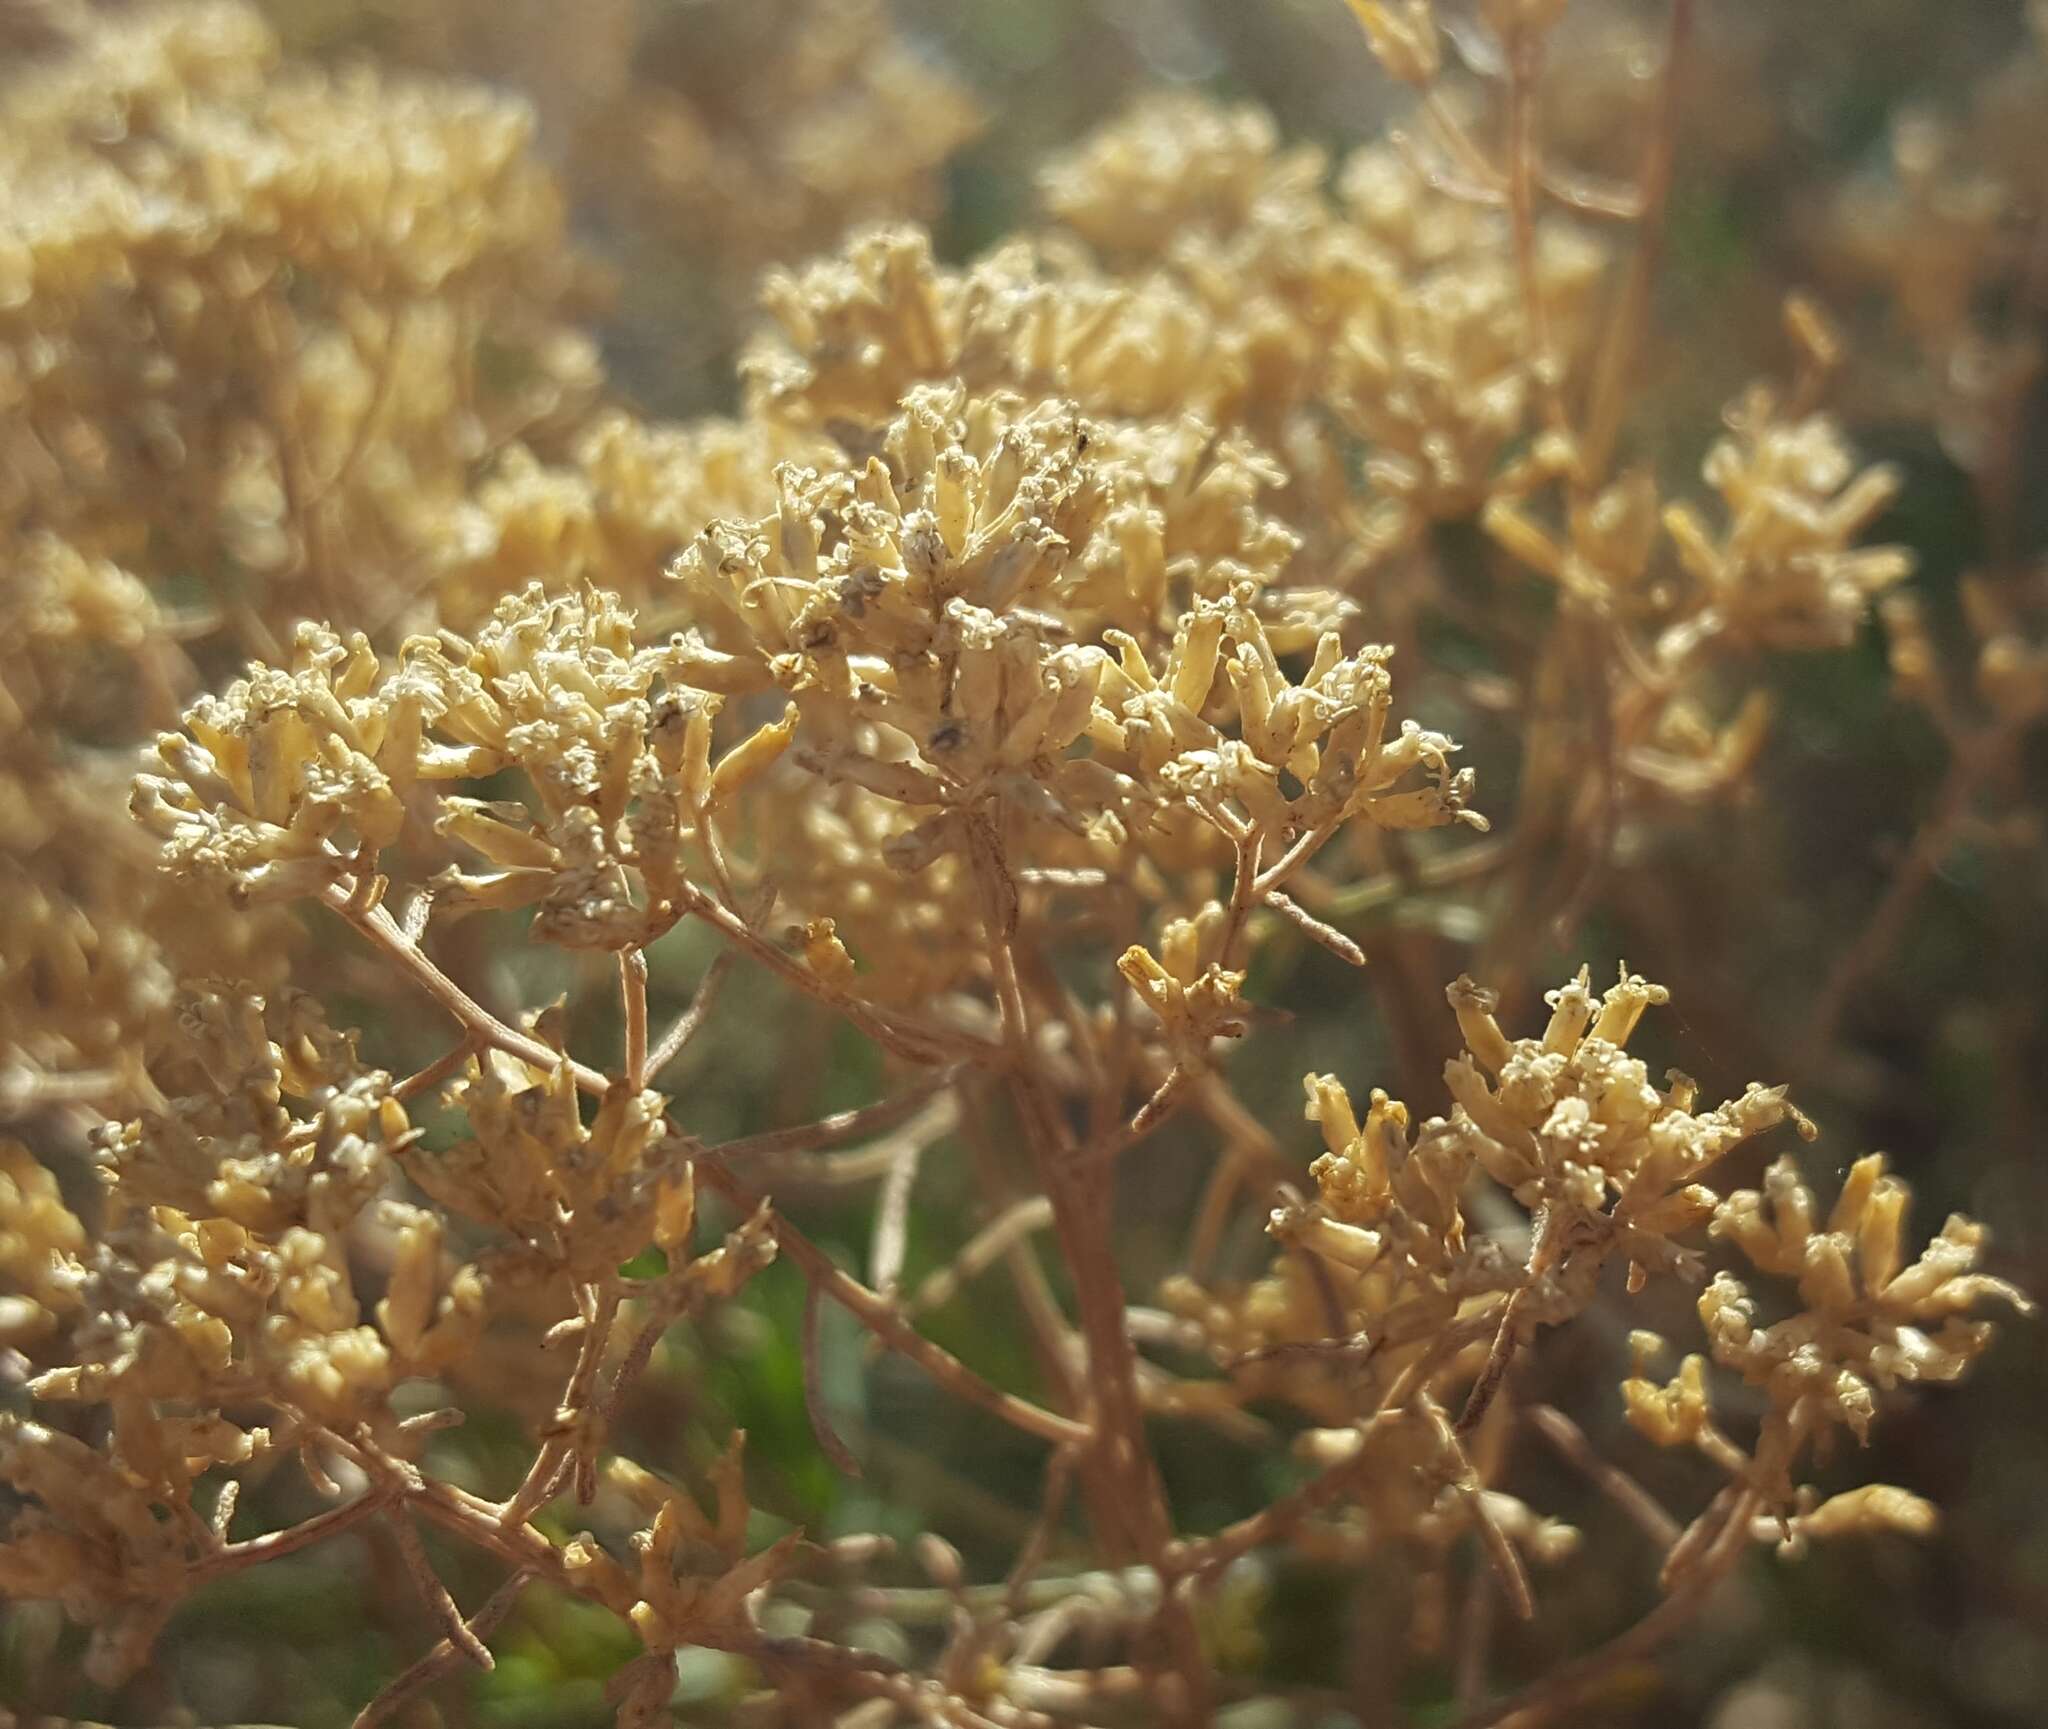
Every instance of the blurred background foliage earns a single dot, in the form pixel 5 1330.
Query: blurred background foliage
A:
pixel 678 129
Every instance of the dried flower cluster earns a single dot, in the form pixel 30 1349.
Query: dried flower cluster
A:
pixel 1054 651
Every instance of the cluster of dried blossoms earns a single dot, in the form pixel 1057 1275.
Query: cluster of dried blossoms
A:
pixel 1016 671
pixel 705 141
pixel 1949 228
pixel 258 326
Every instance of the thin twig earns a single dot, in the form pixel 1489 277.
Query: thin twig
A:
pixel 598 1308
pixel 380 394
pixel 1305 847
pixel 1210 1555
pixel 1059 1483
pixel 255 1551
pixel 434 1595
pixel 1475 1634
pixel 1507 1338
pixel 988 1245
pixel 692 1020
pixel 444 1657
pixel 914 1040
pixel 1570 1443
pixel 891 1238
pixel 1494 1542
pixel 1466 863
pixel 829 1443
pixel 1499 1358
pixel 1128 1497
pixel 426 1079
pixel 1653 189
pixel 1525 61
pixel 1588 198
pixel 1315 930
pixel 383 932
pixel 1574 1681
pixel 837 1129
pixel 633 996
pixel 1969 770
pixel 882 1318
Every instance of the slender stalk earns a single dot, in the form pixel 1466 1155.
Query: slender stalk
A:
pixel 1969 770
pixel 444 1657
pixel 1570 1443
pixel 272 1545
pixel 383 933
pixel 835 1450
pixel 840 1127
pixel 1508 1338
pixel 633 994
pixel 903 1035
pixel 1611 377
pixel 1574 1681
pixel 1525 65
pixel 882 1318
pixel 427 1079
pixel 599 1307
pixel 692 1020
pixel 1081 1192
pixel 1276 1519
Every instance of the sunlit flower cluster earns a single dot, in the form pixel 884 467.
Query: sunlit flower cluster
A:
pixel 1063 670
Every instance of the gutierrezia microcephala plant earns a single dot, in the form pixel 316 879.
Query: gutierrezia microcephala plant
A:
pixel 1047 657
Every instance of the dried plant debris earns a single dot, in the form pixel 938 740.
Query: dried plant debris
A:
pixel 1066 665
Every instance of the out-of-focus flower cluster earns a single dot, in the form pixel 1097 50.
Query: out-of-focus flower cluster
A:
pixel 258 324
pixel 762 133
pixel 708 140
pixel 242 306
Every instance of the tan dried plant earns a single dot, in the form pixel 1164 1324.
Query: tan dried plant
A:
pixel 1041 664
